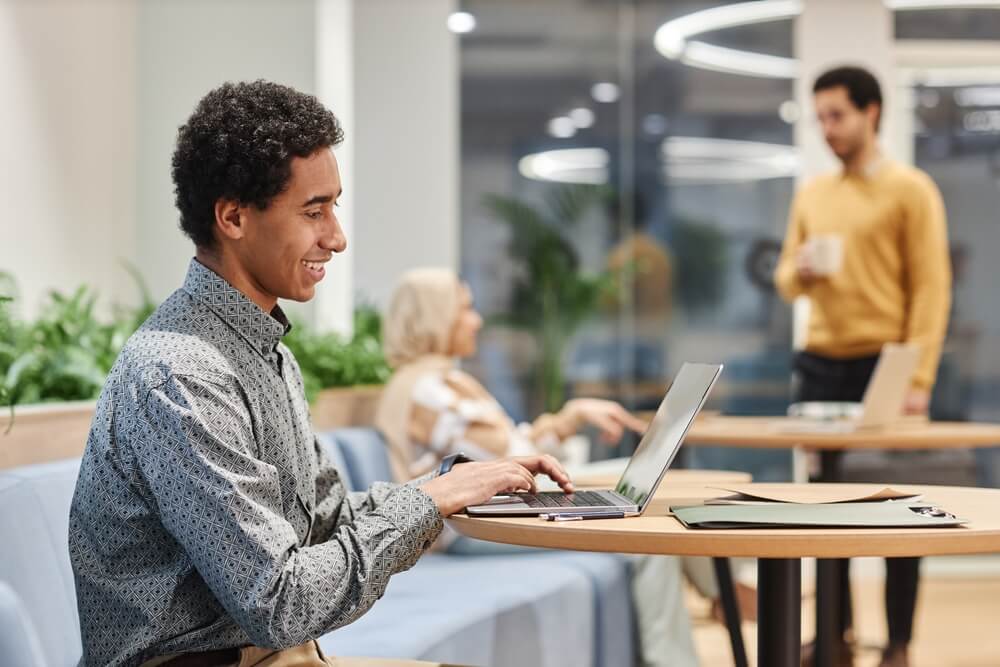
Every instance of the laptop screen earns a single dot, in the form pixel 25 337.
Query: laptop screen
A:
pixel 663 438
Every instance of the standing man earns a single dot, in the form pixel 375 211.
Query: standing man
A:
pixel 208 526
pixel 868 245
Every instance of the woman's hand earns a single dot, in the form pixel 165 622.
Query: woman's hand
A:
pixel 610 418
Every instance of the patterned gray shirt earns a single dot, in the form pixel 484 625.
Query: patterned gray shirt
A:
pixel 206 514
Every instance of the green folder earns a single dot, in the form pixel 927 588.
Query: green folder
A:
pixel 830 515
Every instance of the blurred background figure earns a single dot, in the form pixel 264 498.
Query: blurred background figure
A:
pixel 868 247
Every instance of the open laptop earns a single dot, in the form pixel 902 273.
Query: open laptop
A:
pixel 638 484
pixel 883 401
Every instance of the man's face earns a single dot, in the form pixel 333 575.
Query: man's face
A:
pixel 845 127
pixel 285 246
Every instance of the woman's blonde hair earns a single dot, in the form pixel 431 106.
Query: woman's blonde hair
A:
pixel 421 315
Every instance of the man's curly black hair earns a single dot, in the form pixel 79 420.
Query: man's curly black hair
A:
pixel 239 144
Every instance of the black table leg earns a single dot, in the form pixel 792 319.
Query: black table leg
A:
pixel 831 606
pixel 730 609
pixel 779 612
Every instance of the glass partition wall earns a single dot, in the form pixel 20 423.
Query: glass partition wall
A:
pixel 622 210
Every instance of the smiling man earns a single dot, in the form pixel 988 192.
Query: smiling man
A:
pixel 208 526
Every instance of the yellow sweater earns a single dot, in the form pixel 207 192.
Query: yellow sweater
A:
pixel 895 281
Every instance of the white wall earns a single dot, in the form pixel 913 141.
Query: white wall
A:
pixel 67 186
pixel 846 32
pixel 387 68
pixel 184 49
pixel 100 88
pixel 405 135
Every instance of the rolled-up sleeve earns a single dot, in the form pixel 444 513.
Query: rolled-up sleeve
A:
pixel 195 449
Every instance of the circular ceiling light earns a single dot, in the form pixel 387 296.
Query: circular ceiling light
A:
pixel 704 160
pixel 684 161
pixel 568 165
pixel 673 38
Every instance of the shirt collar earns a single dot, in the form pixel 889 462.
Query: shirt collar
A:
pixel 869 171
pixel 262 330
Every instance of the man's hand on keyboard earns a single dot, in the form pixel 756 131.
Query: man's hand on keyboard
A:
pixel 475 483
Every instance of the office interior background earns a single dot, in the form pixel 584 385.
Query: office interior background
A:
pixel 473 126
pixel 521 142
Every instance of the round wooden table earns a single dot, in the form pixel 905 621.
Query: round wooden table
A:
pixel 778 432
pixel 605 475
pixel 779 549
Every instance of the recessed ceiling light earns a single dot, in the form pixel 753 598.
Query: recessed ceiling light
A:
pixel 562 127
pixel 789 111
pixel 654 124
pixel 582 117
pixel 605 92
pixel 461 22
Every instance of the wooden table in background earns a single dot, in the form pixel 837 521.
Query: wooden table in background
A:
pixel 774 433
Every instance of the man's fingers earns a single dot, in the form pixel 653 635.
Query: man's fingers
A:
pixel 519 476
pixel 551 466
pixel 547 465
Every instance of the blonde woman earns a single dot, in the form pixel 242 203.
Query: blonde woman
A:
pixel 431 409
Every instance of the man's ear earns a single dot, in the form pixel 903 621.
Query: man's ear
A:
pixel 229 219
pixel 874 113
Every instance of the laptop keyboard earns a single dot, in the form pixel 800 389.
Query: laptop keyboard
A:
pixel 558 499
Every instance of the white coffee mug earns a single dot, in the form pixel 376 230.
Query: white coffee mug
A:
pixel 826 254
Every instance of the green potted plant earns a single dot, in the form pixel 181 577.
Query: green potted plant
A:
pixel 343 377
pixel 6 335
pixel 53 368
pixel 551 295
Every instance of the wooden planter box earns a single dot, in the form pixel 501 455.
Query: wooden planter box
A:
pixel 345 406
pixel 53 431
pixel 44 432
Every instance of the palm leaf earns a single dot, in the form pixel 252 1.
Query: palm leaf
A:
pixel 567 204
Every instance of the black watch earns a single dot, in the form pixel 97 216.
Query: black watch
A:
pixel 448 462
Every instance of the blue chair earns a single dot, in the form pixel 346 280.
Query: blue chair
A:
pixel 472 610
pixel 38 617
pixel 545 639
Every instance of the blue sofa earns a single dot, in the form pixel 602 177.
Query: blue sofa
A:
pixel 570 608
